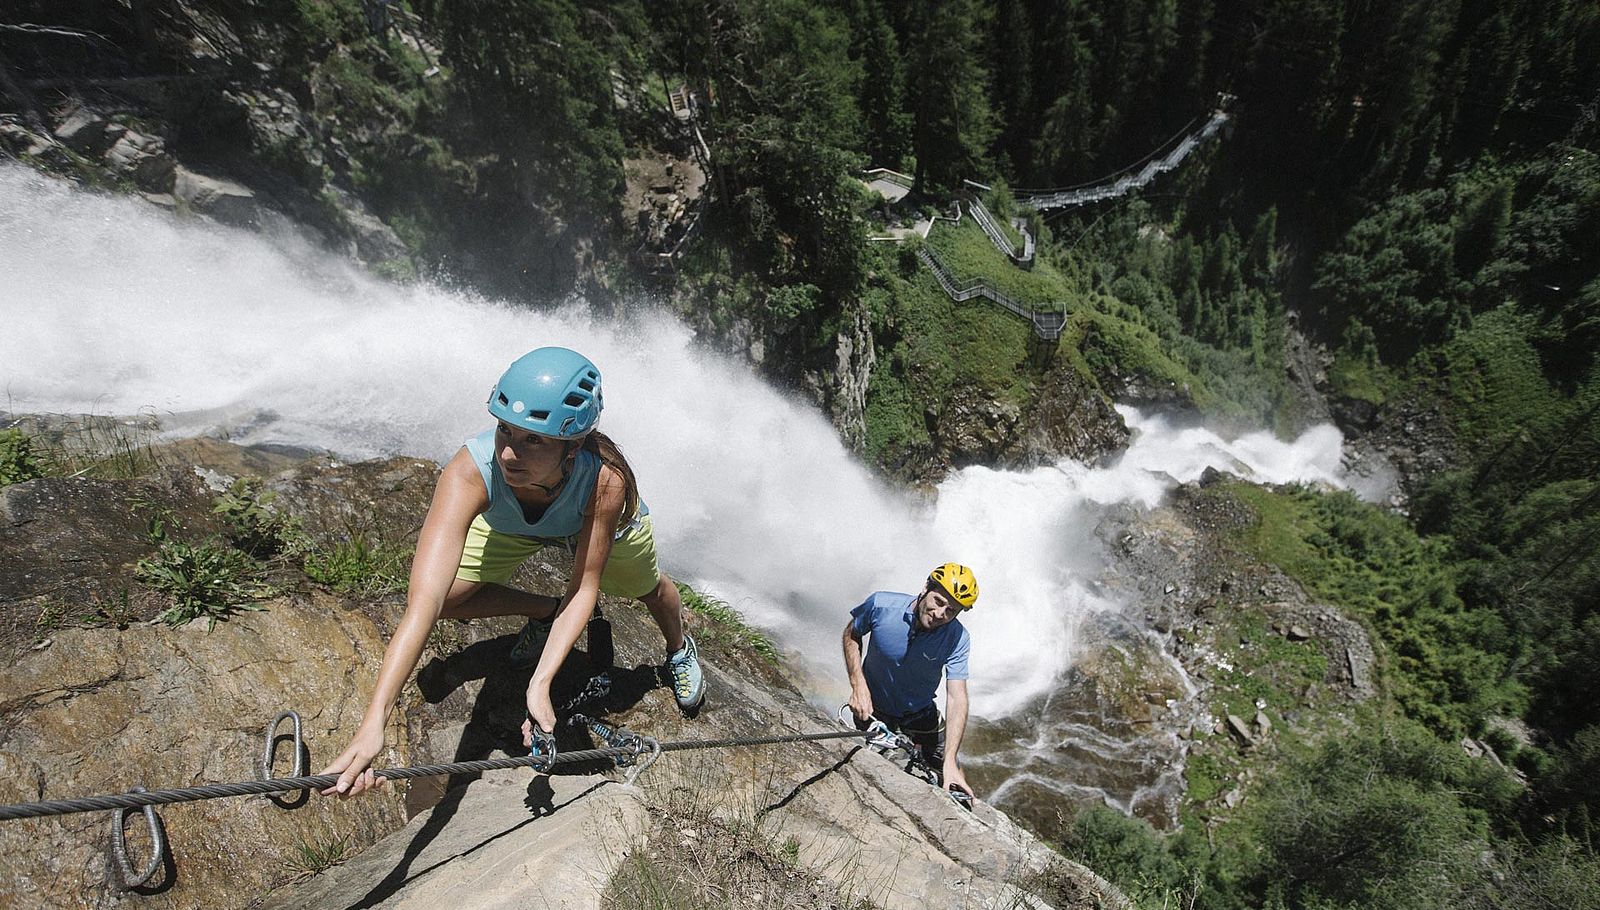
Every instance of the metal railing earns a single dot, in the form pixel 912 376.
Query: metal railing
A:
pixel 1002 241
pixel 883 173
pixel 1128 182
pixel 1047 324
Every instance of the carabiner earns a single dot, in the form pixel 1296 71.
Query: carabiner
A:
pixel 960 797
pixel 543 746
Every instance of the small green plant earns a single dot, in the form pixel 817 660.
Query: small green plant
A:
pixel 251 523
pixel 18 459
pixel 116 611
pixel 727 625
pixel 209 579
pixel 355 566
pixel 312 858
pixel 51 615
pixel 789 850
pixel 162 520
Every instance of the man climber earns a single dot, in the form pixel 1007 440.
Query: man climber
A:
pixel 915 640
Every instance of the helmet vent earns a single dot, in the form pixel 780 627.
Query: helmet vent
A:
pixel 538 415
pixel 586 385
pixel 575 400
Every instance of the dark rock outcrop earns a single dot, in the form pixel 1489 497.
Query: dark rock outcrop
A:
pixel 1069 418
pixel 1065 416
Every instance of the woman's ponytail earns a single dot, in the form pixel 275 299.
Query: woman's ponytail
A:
pixel 601 444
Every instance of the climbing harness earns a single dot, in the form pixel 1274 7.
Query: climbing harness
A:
pixel 623 747
pixel 881 738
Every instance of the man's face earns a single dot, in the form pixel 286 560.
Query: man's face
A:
pixel 935 608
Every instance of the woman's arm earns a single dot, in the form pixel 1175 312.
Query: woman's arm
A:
pixel 457 499
pixel 583 591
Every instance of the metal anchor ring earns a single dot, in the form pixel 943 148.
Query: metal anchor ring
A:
pixel 119 846
pixel 299 746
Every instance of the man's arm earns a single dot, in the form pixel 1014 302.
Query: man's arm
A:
pixel 955 696
pixel 860 697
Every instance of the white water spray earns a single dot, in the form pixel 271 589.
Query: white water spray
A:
pixel 112 307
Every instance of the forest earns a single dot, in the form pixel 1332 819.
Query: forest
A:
pixel 1413 185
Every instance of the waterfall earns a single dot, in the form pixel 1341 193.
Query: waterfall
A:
pixel 111 306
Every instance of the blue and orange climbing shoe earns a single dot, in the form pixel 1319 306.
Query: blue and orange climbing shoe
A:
pixel 688 680
pixel 530 644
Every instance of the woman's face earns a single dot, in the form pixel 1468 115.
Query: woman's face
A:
pixel 527 458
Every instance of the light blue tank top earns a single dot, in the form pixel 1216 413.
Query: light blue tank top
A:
pixel 562 519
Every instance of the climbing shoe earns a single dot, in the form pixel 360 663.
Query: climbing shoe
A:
pixel 688 682
pixel 530 644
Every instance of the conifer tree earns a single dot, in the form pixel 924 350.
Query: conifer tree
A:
pixel 953 123
pixel 883 89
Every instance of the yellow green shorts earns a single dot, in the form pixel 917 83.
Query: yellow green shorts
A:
pixel 630 571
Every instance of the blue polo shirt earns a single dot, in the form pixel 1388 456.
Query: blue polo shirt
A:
pixel 903 665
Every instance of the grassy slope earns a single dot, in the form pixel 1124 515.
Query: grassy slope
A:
pixel 969 253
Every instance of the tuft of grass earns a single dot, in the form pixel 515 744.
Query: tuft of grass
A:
pixel 98 447
pixel 311 858
pixel 52 616
pixel 209 579
pixel 354 565
pixel 727 625
pixel 117 612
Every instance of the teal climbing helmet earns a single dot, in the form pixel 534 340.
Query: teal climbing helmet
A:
pixel 550 391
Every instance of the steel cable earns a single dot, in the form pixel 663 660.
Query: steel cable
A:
pixel 134 800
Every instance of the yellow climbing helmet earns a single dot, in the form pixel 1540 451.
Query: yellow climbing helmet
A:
pixel 957 581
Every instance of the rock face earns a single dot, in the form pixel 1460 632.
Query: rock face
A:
pixel 102 710
pixel 852 816
pixel 1066 417
pixel 91 708
pixel 843 393
pixel 507 841
pixel 106 141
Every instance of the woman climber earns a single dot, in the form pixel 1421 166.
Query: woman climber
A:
pixel 541 475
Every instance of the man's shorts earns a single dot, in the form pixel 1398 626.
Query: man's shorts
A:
pixel 630 571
